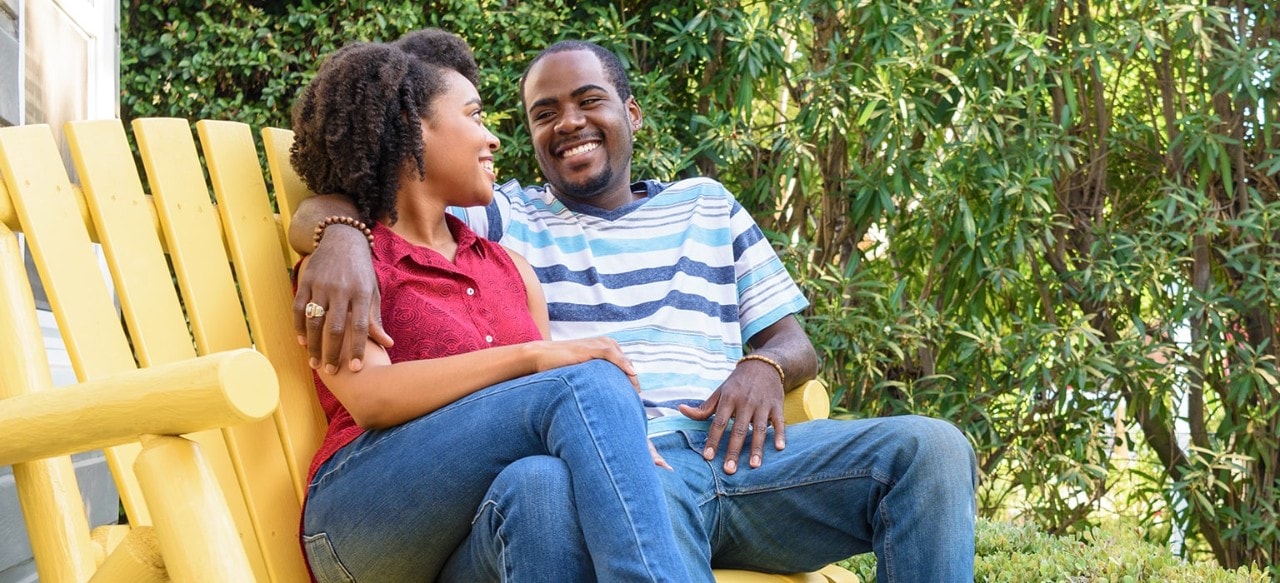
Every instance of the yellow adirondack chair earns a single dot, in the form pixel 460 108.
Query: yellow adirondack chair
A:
pixel 202 397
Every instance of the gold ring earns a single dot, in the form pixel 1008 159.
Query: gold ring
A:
pixel 314 310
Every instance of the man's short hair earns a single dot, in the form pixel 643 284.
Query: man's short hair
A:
pixel 610 62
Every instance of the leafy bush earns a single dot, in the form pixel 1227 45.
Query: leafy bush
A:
pixel 1015 553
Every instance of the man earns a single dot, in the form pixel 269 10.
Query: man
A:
pixel 681 276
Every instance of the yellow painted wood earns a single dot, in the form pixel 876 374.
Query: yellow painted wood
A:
pixel 836 574
pixel 59 243
pixel 135 559
pixel 806 403
pixel 47 492
pixel 197 536
pixel 250 229
pixel 107 537
pixel 9 214
pixel 738 576
pixel 217 390
pixel 289 188
pixel 157 325
pixel 193 233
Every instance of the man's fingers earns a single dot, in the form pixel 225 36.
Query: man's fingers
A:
pixel 300 313
pixel 737 436
pixel 376 332
pixel 335 321
pixel 759 429
pixel 359 331
pixel 779 431
pixel 315 336
pixel 719 423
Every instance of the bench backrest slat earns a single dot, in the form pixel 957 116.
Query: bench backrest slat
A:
pixel 194 237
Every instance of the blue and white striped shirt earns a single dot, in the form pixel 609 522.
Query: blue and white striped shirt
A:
pixel 679 278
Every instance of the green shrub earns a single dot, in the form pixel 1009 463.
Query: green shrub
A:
pixel 1009 552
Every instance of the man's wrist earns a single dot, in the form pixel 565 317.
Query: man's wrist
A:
pixel 782 375
pixel 341 221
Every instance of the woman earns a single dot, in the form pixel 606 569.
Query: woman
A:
pixel 473 448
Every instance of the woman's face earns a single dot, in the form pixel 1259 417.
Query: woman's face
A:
pixel 458 149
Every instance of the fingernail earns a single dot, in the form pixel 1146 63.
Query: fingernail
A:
pixel 356 365
pixel 302 340
pixel 314 363
pixel 708 453
pixel 730 466
pixel 755 461
pixel 331 369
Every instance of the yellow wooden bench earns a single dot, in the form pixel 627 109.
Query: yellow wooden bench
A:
pixel 194 385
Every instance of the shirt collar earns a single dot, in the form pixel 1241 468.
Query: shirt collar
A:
pixel 391 247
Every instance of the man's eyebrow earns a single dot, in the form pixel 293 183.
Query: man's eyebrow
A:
pixel 576 92
pixel 475 101
pixel 586 88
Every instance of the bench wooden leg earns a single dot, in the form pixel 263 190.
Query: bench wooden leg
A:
pixel 192 521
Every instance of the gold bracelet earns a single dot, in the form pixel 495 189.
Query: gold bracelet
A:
pixel 341 220
pixel 782 376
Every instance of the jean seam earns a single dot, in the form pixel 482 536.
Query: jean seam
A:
pixel 809 481
pixel 888 553
pixel 637 539
pixel 322 538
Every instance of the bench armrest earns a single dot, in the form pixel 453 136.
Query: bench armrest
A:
pixel 208 392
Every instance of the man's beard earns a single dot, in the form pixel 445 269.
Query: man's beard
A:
pixel 593 187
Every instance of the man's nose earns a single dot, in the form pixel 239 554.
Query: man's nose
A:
pixel 571 121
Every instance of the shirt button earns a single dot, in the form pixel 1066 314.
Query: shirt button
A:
pixel 488 338
pixel 471 291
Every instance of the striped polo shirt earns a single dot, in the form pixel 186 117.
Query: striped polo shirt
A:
pixel 680 278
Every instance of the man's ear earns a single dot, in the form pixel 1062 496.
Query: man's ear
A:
pixel 635 115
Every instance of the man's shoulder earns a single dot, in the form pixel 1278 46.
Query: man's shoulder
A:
pixel 701 184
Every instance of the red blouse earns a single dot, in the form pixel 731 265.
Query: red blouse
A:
pixel 434 308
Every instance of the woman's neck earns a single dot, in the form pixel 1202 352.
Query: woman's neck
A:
pixel 421 222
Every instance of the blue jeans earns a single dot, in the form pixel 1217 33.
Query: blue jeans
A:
pixel 902 487
pixel 542 478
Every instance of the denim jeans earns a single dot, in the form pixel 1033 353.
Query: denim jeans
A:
pixel 902 487
pixel 513 482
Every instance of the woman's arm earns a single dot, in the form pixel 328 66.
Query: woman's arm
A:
pixel 533 289
pixel 385 394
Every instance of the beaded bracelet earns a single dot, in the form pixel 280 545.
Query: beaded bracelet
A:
pixel 341 220
pixel 782 376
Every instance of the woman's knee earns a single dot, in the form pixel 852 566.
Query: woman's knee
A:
pixel 602 383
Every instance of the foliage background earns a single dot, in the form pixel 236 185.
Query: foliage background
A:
pixel 1053 223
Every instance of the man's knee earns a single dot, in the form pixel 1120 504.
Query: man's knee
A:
pixel 536 489
pixel 940 444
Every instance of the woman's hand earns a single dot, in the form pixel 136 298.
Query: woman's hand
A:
pixel 549 354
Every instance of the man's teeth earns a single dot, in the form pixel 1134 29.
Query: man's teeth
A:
pixel 487 165
pixel 583 149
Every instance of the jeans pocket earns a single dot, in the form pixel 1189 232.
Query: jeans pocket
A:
pixel 324 562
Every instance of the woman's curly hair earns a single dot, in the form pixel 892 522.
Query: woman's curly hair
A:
pixel 358 122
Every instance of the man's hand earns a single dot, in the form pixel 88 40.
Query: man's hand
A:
pixel 339 278
pixel 752 398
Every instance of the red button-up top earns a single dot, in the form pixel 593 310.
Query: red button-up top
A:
pixel 434 308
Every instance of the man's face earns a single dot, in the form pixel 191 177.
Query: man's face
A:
pixel 581 129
